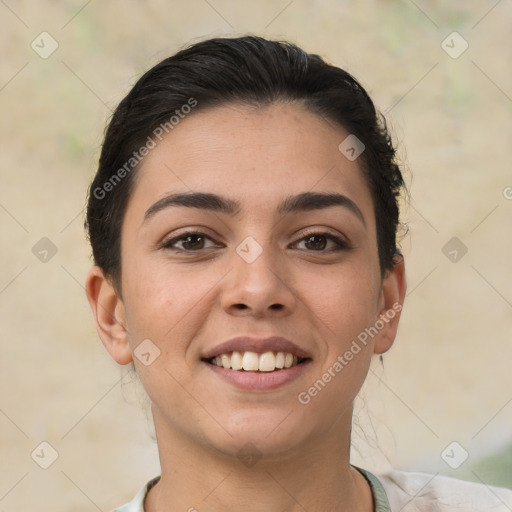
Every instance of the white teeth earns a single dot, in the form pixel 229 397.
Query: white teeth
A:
pixel 236 361
pixel 267 362
pixel 251 361
pixel 225 361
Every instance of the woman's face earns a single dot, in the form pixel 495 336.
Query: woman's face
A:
pixel 264 266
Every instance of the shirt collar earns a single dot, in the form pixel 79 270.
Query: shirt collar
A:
pixel 380 499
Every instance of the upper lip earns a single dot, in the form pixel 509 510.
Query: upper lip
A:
pixel 258 345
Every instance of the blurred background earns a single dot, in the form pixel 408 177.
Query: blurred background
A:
pixel 74 433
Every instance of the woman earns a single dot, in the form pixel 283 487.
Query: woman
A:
pixel 243 223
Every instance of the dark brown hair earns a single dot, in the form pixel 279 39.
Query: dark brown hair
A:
pixel 250 70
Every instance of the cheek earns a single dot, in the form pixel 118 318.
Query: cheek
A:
pixel 164 306
pixel 346 300
pixel 344 311
pixel 163 302
pixel 346 304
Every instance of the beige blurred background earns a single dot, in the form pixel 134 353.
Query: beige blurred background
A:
pixel 448 376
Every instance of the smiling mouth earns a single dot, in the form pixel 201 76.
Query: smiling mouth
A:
pixel 253 362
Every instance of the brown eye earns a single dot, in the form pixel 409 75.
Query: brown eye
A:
pixel 191 241
pixel 319 241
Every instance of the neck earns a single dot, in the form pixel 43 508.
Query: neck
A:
pixel 315 477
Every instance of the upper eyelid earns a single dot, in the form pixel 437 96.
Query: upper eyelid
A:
pixel 190 232
pixel 340 241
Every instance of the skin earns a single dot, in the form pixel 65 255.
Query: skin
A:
pixel 187 303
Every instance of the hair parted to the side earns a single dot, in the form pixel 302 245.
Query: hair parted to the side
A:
pixel 248 70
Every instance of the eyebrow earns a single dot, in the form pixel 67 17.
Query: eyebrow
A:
pixel 306 201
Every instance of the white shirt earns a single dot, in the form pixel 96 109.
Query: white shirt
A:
pixel 408 491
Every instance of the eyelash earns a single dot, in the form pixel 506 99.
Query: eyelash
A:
pixel 341 245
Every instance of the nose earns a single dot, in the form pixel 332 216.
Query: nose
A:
pixel 258 283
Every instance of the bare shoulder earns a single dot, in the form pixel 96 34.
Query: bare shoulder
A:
pixel 411 491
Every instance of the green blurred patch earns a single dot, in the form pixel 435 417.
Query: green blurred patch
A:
pixel 72 145
pixel 496 469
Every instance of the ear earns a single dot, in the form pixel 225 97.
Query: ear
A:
pixel 109 315
pixel 391 302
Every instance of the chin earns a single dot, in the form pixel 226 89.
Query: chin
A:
pixel 257 432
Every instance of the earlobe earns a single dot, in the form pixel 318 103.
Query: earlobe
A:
pixel 393 291
pixel 109 315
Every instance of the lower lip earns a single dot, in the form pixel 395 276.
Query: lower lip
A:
pixel 259 381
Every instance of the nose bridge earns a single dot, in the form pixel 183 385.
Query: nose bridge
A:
pixel 256 281
pixel 256 262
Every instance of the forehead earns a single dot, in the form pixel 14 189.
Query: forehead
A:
pixel 257 155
